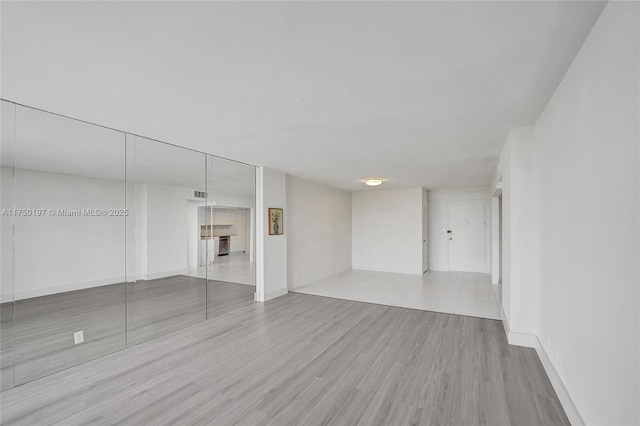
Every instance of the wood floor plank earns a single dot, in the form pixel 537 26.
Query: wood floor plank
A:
pixel 303 360
pixel 6 346
pixel 44 328
pixel 40 342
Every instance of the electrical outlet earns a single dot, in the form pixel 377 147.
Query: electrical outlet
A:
pixel 78 337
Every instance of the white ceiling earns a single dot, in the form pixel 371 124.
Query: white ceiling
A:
pixel 420 93
pixel 50 143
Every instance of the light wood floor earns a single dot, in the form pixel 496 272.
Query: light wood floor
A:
pixel 6 346
pixel 303 359
pixel 40 342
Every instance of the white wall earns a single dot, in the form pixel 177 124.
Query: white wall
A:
pixel 55 254
pixel 318 224
pixel 587 157
pixel 167 226
pixel 6 243
pixel 387 230
pixel 439 222
pixel 193 233
pixel 228 198
pixel 7 154
pixel 139 213
pixel 271 250
pixel 520 231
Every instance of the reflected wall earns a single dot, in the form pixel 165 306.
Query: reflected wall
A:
pixel 165 180
pixel 227 236
pixel 105 243
pixel 68 243
pixel 7 203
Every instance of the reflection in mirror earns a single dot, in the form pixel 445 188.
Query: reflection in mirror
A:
pixel 7 203
pixel 69 244
pixel 227 236
pixel 169 186
pixel 119 239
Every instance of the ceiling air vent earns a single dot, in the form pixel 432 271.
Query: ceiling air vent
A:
pixel 199 194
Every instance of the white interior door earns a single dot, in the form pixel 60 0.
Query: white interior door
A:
pixel 467 235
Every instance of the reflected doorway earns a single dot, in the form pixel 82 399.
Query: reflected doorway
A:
pixel 224 246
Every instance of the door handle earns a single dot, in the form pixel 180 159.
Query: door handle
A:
pixel 449 231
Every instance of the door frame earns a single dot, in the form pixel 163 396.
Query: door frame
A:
pixel 496 236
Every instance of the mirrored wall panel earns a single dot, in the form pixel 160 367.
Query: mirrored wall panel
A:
pixel 226 230
pixel 69 251
pixel 169 190
pixel 111 239
pixel 7 205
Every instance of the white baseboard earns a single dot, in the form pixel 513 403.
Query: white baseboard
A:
pixel 163 274
pixel 38 292
pixel 570 408
pixel 522 339
pixel 263 297
pixel 516 338
pixel 393 271
pixel 532 341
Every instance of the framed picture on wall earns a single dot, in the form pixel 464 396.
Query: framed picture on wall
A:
pixel 276 223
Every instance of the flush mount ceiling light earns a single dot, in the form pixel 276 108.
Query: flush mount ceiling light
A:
pixel 373 181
